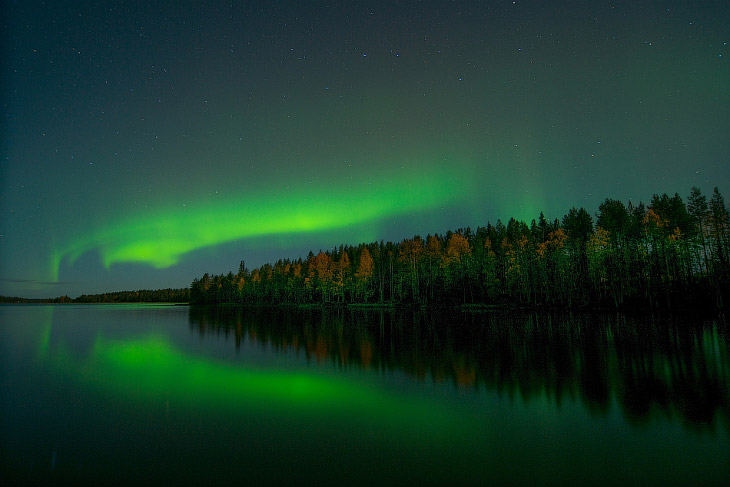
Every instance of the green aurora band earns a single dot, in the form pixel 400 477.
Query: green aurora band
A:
pixel 160 239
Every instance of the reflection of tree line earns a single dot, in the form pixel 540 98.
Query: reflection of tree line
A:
pixel 648 368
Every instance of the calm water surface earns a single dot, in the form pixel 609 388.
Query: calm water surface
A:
pixel 160 394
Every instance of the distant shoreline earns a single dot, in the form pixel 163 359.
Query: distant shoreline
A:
pixel 157 296
pixel 51 301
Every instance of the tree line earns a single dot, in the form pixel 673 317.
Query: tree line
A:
pixel 667 254
pixel 181 295
pixel 168 295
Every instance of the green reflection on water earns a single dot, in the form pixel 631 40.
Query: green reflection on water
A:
pixel 105 393
pixel 153 364
pixel 677 371
pixel 150 368
pixel 45 340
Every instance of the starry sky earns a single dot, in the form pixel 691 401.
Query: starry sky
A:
pixel 145 143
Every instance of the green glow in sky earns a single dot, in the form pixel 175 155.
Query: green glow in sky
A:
pixel 160 239
pixel 162 141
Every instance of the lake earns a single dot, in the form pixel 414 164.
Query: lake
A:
pixel 100 394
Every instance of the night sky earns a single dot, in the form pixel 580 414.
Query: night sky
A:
pixel 145 143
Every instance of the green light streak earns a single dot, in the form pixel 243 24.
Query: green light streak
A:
pixel 160 239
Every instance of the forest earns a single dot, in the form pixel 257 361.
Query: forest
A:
pixel 665 255
pixel 140 296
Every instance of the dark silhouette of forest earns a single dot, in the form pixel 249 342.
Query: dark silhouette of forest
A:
pixel 665 255
pixel 141 296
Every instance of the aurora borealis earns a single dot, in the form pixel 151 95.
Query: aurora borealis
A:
pixel 160 240
pixel 144 144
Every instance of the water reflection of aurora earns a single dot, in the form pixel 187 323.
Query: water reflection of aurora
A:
pixel 150 369
pixel 650 369
pixel 132 392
